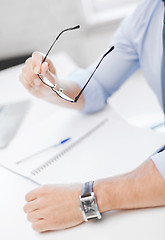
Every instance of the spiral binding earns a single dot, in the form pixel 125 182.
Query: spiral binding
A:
pixel 64 151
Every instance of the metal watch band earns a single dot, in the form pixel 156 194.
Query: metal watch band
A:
pixel 88 204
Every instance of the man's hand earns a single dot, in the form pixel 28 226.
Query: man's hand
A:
pixel 31 81
pixel 54 207
pixel 34 85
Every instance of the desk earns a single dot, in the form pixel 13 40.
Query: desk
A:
pixel 132 224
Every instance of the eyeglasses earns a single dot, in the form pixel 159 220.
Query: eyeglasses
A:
pixel 60 92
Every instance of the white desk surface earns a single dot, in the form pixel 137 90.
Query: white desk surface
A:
pixel 133 224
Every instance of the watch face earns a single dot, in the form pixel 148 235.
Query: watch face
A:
pixel 89 207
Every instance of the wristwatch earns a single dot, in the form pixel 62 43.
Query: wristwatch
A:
pixel 88 204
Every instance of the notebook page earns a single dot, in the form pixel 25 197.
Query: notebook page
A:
pixel 63 124
pixel 114 148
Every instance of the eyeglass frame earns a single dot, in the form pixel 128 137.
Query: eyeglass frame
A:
pixel 60 91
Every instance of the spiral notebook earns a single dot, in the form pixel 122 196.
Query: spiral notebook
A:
pixel 101 145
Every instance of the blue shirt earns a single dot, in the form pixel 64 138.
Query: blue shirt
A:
pixel 138 44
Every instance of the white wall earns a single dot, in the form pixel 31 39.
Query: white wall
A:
pixel 31 25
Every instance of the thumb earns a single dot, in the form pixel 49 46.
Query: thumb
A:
pixel 51 66
pixel 47 74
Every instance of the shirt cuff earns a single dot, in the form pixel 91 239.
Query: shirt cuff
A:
pixel 94 96
pixel 159 160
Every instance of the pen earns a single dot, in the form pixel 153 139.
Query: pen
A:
pixel 162 149
pixel 45 149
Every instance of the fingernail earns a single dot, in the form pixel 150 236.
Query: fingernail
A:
pixel 46 64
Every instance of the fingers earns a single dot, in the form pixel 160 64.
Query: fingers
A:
pixel 44 69
pixel 34 216
pixel 51 66
pixel 47 74
pixel 40 226
pixel 28 77
pixel 34 194
pixel 53 207
pixel 32 206
pixel 37 192
pixel 34 66
pixel 37 62
pixel 35 210
pixel 39 67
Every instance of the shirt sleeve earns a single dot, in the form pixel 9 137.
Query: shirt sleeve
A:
pixel 159 160
pixel 113 71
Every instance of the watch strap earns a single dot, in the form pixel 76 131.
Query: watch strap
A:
pixel 87 189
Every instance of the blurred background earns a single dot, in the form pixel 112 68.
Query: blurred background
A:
pixel 32 25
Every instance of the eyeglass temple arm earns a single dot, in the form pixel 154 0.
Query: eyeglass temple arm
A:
pixel 78 96
pixel 65 30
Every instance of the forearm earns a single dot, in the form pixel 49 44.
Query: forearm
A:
pixel 141 188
